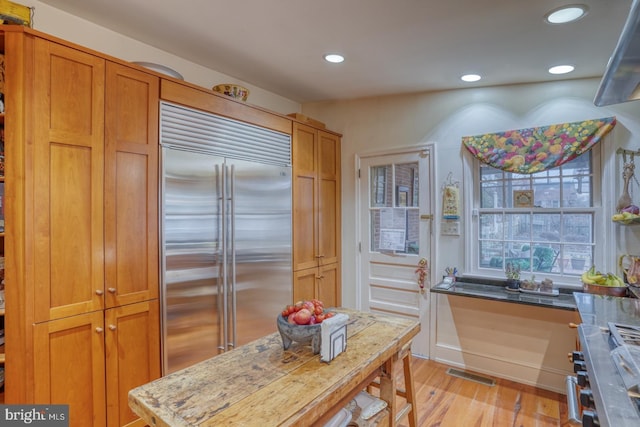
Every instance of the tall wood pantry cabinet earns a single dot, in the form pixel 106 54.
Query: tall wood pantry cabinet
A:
pixel 82 310
pixel 316 215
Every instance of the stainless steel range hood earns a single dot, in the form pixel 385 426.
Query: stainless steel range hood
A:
pixel 621 79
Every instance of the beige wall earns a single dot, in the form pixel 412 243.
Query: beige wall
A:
pixel 68 27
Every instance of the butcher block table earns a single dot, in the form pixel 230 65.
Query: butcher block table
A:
pixel 260 384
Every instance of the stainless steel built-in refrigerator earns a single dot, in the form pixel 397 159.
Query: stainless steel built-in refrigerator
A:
pixel 226 227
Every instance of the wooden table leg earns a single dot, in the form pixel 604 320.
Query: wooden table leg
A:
pixel 410 390
pixel 388 390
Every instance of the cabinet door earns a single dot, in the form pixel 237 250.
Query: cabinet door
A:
pixel 132 355
pixel 131 186
pixel 69 367
pixel 305 200
pixel 67 181
pixel 329 227
pixel 328 290
pixel 304 284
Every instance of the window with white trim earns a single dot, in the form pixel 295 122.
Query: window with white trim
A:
pixel 547 223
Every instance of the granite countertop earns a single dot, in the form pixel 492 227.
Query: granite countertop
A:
pixel 600 309
pixel 495 290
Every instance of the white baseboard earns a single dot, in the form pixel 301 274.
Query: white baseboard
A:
pixel 544 377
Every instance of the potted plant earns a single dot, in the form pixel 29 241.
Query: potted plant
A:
pixel 512 271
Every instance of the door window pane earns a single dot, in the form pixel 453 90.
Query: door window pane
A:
pixel 394 209
pixel 381 186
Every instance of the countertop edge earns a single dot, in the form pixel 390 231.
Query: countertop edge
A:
pixel 495 292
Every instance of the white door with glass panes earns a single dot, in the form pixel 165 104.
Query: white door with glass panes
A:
pixel 395 237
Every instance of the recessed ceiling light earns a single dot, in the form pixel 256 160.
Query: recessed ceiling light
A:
pixel 470 78
pixel 566 14
pixel 561 69
pixel 334 57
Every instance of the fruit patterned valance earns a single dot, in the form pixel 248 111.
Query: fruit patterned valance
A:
pixel 536 149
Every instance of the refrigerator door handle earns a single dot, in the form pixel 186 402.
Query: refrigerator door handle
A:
pixel 232 230
pixel 223 264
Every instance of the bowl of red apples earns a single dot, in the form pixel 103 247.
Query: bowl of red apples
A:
pixel 301 322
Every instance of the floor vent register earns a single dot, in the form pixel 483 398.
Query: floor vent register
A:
pixel 471 377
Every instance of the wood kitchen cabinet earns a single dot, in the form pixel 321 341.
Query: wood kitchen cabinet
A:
pixel 316 214
pixel 321 282
pixel 82 254
pixel 70 361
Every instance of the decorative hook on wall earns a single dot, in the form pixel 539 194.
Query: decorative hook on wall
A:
pixel 449 182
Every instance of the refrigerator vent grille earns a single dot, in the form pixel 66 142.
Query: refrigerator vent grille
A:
pixel 186 128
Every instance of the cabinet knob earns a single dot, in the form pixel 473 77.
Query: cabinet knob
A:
pixel 99 292
pixel 583 379
pixel 112 327
pixel 112 290
pixel 573 325
pixel 586 399
pixel 589 419
pixel 99 330
pixel 319 277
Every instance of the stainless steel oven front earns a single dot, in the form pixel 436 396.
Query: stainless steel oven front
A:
pixel 604 391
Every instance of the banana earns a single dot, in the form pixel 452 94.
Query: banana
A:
pixel 594 277
pixel 591 277
pixel 608 281
pixel 617 281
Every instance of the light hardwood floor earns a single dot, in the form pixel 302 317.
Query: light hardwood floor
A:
pixel 447 401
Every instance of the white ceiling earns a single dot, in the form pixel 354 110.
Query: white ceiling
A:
pixel 391 46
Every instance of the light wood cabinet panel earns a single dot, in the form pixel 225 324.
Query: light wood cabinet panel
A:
pixel 304 284
pixel 329 225
pixel 77 354
pixel 305 197
pixel 133 355
pixel 69 367
pixel 321 283
pixel 131 186
pixel 316 213
pixel 328 287
pixel 68 160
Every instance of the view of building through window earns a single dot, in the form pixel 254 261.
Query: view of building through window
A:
pixel 394 208
pixel 542 222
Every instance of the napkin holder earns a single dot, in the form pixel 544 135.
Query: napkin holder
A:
pixel 334 337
